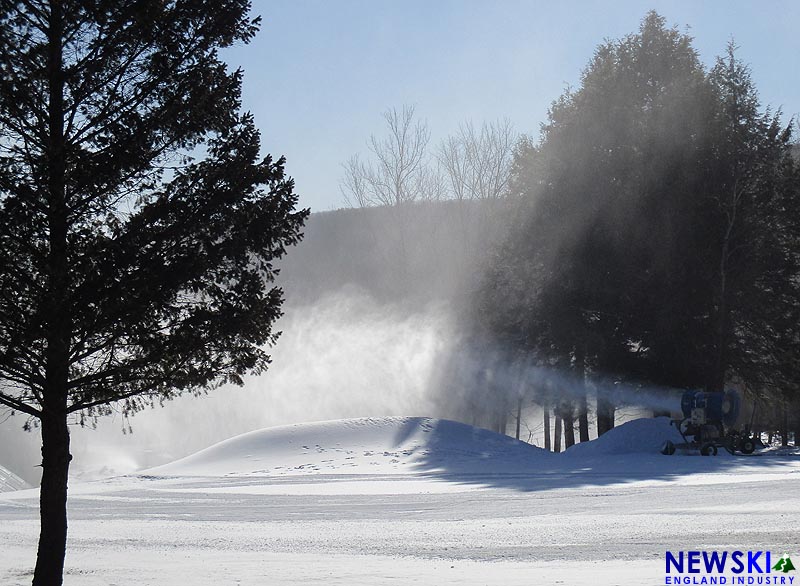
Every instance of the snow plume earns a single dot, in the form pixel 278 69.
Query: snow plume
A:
pixel 344 356
pixel 19 450
pixel 368 319
pixel 561 385
pixel 480 385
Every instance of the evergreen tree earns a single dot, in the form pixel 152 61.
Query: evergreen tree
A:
pixel 597 247
pixel 138 222
pixel 756 217
pixel 660 240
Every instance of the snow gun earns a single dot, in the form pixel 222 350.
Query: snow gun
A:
pixel 708 424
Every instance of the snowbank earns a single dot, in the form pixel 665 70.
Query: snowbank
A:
pixel 387 445
pixel 633 437
pixel 10 481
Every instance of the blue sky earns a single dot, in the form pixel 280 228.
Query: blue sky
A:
pixel 321 72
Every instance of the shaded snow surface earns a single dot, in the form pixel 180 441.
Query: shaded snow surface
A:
pixel 385 445
pixel 639 436
pixel 10 481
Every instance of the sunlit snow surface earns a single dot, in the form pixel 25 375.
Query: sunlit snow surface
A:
pixel 412 501
pixel 389 445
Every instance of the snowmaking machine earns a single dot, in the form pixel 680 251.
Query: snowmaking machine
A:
pixel 708 424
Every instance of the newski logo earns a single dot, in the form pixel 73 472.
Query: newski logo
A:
pixel 695 562
pixel 741 567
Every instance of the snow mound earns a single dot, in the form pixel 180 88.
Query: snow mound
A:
pixel 10 481
pixel 387 445
pixel 633 437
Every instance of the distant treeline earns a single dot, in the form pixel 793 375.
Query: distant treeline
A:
pixel 410 255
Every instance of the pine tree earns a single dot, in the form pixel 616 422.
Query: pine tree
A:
pixel 754 222
pixel 659 243
pixel 138 223
pixel 599 252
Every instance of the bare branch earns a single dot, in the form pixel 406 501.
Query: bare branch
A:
pixel 398 172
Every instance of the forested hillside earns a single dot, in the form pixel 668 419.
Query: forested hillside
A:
pixel 412 255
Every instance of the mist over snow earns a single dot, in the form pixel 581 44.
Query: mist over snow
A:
pixel 368 318
pixel 346 356
pixel 373 327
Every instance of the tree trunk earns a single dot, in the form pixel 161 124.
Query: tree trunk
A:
pixel 717 379
pixel 55 433
pixel 53 500
pixel 583 408
pixel 583 418
pixel 569 425
pixel 502 418
pixel 557 437
pixel 519 414
pixel 546 410
pixel 785 426
pixel 605 415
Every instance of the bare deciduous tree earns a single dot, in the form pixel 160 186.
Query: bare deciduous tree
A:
pixel 354 184
pixel 398 171
pixel 477 162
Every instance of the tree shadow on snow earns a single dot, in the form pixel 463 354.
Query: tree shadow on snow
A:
pixel 462 454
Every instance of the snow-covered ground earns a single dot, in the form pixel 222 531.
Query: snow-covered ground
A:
pixel 412 501
pixel 10 481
